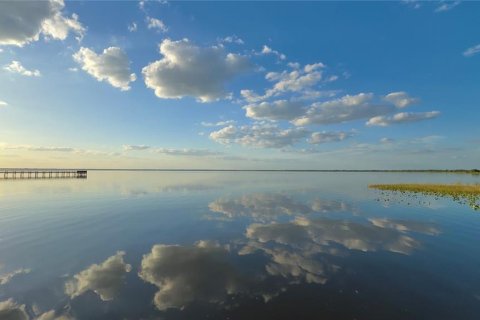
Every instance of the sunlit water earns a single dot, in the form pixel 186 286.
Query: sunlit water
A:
pixel 238 245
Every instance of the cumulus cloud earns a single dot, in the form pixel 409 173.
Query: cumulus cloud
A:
pixel 185 274
pixel 259 206
pixel 259 135
pixel 326 137
pixel 111 65
pixel 104 279
pixel 346 108
pixel 22 22
pixel 402 117
pixel 156 24
pixel 189 70
pixel 266 50
pixel 5 278
pixel 401 99
pixel 16 67
pixel 186 152
pixel 296 80
pixel 11 310
pixel 276 110
pixel 299 80
pixel 129 147
pixel 470 52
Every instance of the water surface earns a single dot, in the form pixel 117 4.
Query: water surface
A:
pixel 235 245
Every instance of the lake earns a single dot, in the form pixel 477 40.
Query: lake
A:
pixel 236 245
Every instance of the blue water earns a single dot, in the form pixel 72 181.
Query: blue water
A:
pixel 235 245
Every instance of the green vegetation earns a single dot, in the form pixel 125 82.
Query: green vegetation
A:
pixel 462 193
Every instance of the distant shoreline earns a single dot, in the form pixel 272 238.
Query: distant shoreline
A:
pixel 462 171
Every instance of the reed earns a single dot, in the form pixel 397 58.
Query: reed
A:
pixel 463 193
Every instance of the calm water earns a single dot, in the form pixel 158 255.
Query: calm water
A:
pixel 190 245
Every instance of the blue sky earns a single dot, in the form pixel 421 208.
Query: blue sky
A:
pixel 317 85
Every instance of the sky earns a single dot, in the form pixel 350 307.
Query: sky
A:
pixel 240 85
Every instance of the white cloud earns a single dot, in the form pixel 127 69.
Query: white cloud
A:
pixel 129 147
pixel 185 274
pixel 401 99
pixel 186 152
pixel 132 27
pixel 5 278
pixel 326 137
pixel 3 104
pixel 299 80
pixel 16 67
pixel 447 5
pixel 22 22
pixel 36 148
pixel 346 108
pixel 266 50
pixel 415 4
pixel 190 70
pixel 218 124
pixel 470 52
pixel 156 24
pixel 402 117
pixel 232 39
pixel 296 80
pixel 259 135
pixel 112 66
pixel 104 279
pixel 276 110
pixel 387 140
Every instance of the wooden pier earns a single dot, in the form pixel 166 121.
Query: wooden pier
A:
pixel 42 173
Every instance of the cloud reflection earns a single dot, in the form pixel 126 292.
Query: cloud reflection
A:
pixel 299 249
pixel 260 206
pixel 5 278
pixel 264 207
pixel 51 315
pixel 326 206
pixel 104 279
pixel 10 310
pixel 185 274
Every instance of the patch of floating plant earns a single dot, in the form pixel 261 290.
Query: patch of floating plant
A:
pixel 468 194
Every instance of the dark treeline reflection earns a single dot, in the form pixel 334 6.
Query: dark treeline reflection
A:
pixel 266 255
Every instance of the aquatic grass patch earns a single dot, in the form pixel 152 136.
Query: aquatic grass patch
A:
pixel 462 193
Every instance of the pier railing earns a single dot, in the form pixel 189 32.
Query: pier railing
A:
pixel 42 173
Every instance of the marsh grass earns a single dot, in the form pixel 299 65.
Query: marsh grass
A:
pixel 462 193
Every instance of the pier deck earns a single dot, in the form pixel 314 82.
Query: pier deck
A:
pixel 42 173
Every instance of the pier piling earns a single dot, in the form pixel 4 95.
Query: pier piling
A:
pixel 42 173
